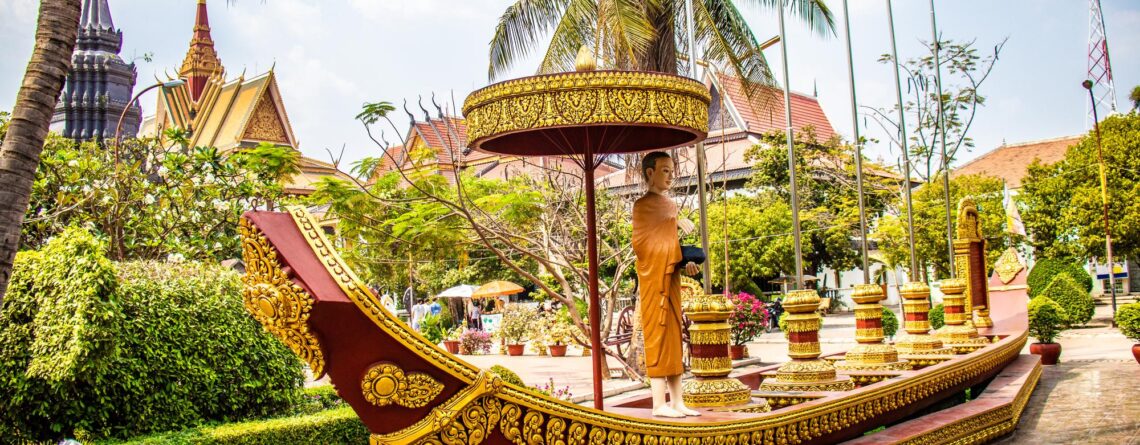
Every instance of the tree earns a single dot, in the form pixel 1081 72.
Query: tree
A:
pixel 1134 96
pixel 191 199
pixel 56 30
pixel 1063 210
pixel 964 72
pixel 930 222
pixel 639 35
pixel 760 241
pixel 827 193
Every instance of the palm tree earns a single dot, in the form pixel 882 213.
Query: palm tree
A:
pixel 56 31
pixel 640 34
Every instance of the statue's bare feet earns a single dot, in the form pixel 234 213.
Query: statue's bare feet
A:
pixel 686 410
pixel 667 411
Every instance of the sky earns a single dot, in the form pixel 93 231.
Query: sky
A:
pixel 332 56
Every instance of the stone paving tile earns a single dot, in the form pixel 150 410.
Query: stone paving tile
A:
pixel 1080 402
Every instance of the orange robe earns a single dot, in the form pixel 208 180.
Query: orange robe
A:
pixel 658 251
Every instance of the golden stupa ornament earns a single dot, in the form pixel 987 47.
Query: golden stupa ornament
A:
pixel 585 60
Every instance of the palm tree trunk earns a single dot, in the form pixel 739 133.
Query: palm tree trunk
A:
pixel 56 30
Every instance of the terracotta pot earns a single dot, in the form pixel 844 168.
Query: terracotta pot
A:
pixel 1049 352
pixel 1136 352
pixel 452 346
pixel 515 350
pixel 557 350
pixel 737 352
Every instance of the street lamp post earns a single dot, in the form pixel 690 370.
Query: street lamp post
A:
pixel 1104 200
pixel 123 115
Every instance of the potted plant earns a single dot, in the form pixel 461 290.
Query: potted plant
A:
pixel 451 339
pixel 557 335
pixel 474 341
pixel 1128 320
pixel 515 326
pixel 748 319
pixel 1046 320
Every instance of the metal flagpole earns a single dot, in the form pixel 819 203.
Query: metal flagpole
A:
pixel 858 147
pixel 905 150
pixel 791 157
pixel 942 136
pixel 1104 201
pixel 702 163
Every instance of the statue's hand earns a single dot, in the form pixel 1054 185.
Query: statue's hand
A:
pixel 691 268
pixel 685 225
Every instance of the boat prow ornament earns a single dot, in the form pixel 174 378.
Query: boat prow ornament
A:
pixel 407 390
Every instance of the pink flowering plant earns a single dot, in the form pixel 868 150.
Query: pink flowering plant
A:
pixel 749 317
pixel 551 390
pixel 474 341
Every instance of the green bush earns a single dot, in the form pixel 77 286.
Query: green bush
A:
pixel 1046 269
pixel 1046 319
pixel 1128 320
pixel 507 375
pixel 334 426
pixel 782 322
pixel 431 328
pixel 937 316
pixel 317 399
pixel 890 323
pixel 85 353
pixel 1078 304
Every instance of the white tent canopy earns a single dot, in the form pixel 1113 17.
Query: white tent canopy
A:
pixel 460 291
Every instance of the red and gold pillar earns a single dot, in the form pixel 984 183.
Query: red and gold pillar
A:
pixel 916 322
pixel 871 354
pixel 806 371
pixel 709 336
pixel 959 332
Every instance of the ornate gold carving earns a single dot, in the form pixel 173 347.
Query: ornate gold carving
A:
pixel 386 383
pixel 867 293
pixel 265 123
pixel 716 337
pixel 1008 265
pixel 710 366
pixel 803 350
pixel 918 344
pixel 707 307
pixel 717 392
pixel 969 225
pixel 873 357
pixel 590 97
pixel 275 301
pixel 806 371
pixel 843 383
pixel 467 417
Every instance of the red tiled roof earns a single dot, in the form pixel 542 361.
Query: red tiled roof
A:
pixel 1011 162
pixel 448 130
pixel 765 113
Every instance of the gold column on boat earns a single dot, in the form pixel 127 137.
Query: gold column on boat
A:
pixel 871 354
pixel 806 371
pixel 958 333
pixel 709 336
pixel 916 322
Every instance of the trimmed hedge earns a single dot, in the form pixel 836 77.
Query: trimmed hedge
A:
pixel 507 375
pixel 334 426
pixel 890 323
pixel 937 316
pixel 1046 319
pixel 1128 320
pixel 1078 304
pixel 91 349
pixel 1046 269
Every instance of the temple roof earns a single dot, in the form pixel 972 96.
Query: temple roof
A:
pixel 238 113
pixel 765 113
pixel 1011 162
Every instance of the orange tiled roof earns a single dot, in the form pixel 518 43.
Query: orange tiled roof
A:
pixel 766 113
pixel 1011 162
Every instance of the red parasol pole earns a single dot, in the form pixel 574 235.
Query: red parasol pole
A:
pixel 596 352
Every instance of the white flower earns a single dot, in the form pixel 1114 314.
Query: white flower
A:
pixel 148 199
pixel 175 258
pixel 73 163
pixel 86 189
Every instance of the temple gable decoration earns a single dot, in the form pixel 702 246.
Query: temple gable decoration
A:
pixel 970 262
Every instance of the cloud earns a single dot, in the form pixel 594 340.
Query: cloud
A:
pixel 17 14
pixel 423 9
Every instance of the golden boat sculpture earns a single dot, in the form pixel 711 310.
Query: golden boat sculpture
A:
pixel 407 390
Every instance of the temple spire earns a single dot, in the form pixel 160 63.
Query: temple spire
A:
pixel 201 60
pixel 96 14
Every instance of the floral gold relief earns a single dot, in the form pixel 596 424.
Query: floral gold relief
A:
pixel 385 384
pixel 275 301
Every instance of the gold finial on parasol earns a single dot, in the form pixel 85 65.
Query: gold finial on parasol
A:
pixel 585 60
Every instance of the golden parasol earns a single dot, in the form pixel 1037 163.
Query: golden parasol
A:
pixel 496 289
